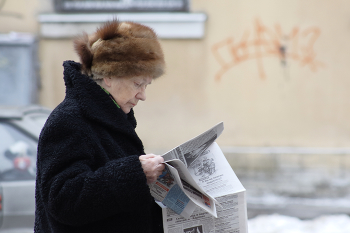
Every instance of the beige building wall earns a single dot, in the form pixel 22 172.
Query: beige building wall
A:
pixel 275 71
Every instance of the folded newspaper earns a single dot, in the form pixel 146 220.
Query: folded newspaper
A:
pixel 198 190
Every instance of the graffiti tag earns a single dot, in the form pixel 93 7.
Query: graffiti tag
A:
pixel 298 45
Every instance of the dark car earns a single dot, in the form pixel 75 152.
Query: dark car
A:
pixel 19 133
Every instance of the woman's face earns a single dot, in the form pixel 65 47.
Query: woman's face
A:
pixel 127 91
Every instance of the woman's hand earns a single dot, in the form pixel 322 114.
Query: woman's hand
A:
pixel 152 166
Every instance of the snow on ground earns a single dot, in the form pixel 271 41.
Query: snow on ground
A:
pixel 272 199
pixel 284 224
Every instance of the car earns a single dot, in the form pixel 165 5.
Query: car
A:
pixel 20 128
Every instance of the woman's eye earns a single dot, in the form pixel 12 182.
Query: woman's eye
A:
pixel 137 84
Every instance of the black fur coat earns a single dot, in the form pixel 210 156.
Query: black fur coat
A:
pixel 89 177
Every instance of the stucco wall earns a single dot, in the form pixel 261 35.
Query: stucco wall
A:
pixel 21 15
pixel 265 98
pixel 238 73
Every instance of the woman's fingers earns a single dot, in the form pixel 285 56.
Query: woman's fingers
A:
pixel 152 166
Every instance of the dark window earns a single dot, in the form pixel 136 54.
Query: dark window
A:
pixel 121 5
pixel 18 69
pixel 17 154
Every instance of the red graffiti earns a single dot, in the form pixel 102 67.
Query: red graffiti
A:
pixel 298 45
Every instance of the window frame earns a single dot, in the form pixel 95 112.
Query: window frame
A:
pixel 60 6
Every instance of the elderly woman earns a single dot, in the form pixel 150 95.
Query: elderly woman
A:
pixel 92 171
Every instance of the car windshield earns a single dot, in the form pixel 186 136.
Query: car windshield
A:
pixel 17 154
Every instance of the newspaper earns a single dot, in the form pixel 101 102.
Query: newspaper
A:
pixel 198 190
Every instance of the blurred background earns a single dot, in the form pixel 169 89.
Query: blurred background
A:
pixel 276 72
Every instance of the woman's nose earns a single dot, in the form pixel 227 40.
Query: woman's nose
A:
pixel 141 95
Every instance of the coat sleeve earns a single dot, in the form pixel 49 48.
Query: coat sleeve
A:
pixel 74 193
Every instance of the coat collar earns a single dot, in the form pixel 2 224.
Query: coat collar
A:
pixel 94 102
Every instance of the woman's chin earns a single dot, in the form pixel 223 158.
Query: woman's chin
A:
pixel 126 110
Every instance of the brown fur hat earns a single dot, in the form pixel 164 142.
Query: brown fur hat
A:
pixel 120 49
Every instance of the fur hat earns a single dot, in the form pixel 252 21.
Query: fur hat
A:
pixel 120 49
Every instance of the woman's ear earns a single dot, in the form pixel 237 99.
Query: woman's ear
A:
pixel 107 81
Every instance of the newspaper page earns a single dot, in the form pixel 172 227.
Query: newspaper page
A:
pixel 189 151
pixel 180 195
pixel 178 191
pixel 231 218
pixel 168 191
pixel 196 178
pixel 215 176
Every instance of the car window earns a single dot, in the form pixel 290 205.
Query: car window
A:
pixel 39 119
pixel 17 154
